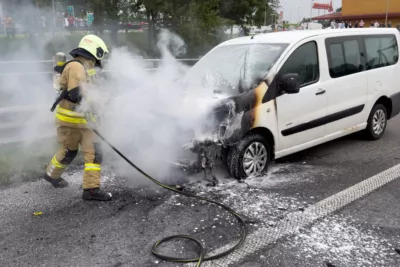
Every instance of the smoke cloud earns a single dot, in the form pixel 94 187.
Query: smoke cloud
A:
pixel 152 114
pixel 149 114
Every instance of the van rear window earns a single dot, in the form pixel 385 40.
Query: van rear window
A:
pixel 346 55
pixel 381 51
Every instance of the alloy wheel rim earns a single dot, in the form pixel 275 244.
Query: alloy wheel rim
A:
pixel 378 122
pixel 255 159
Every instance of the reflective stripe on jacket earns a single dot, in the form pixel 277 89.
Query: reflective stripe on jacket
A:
pixel 69 116
pixel 75 74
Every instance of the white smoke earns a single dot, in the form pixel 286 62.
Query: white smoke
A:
pixel 148 115
pixel 151 114
pixel 26 93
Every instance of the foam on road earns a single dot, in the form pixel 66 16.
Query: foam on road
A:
pixel 120 233
pixel 266 236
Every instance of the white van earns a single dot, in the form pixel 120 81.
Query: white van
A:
pixel 289 91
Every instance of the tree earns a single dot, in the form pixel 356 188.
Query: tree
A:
pixel 198 22
pixel 248 12
pixel 151 9
pixel 304 20
pixel 42 3
pixel 338 9
pixel 266 13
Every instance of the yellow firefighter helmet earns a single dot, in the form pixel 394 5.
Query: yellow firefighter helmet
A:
pixel 94 45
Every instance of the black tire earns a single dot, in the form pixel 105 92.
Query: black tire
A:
pixel 377 111
pixel 229 161
pixel 236 154
pixel 225 154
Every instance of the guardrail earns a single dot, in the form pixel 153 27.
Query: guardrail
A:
pixel 14 120
pixel 28 67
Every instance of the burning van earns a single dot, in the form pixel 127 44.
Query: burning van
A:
pixel 284 92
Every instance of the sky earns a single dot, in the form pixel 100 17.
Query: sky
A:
pixel 305 9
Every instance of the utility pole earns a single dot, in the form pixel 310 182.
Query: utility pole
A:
pixel 298 14
pixel 387 11
pixel 290 17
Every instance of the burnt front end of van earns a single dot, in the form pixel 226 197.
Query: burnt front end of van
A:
pixel 227 123
pixel 235 116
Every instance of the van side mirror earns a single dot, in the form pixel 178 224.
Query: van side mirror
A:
pixel 290 83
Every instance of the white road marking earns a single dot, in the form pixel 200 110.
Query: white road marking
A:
pixel 263 237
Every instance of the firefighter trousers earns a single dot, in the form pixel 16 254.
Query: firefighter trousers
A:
pixel 69 140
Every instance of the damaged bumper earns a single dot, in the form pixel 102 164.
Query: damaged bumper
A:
pixel 221 131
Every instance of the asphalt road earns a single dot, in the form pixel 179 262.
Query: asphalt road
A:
pixel 121 233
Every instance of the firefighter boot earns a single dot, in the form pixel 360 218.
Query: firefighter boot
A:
pixel 96 194
pixel 57 183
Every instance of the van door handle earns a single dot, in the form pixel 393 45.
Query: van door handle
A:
pixel 320 92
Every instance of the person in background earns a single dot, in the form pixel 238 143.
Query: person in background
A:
pixel 361 24
pixel 372 24
pixel 356 24
pixel 389 24
pixel 376 24
pixel 71 21
pixel 350 25
pixel 9 26
pixel 346 24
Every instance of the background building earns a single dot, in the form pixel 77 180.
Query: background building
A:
pixel 367 10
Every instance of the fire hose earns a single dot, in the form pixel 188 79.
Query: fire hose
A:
pixel 202 257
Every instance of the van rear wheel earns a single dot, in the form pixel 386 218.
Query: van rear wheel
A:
pixel 377 122
pixel 249 158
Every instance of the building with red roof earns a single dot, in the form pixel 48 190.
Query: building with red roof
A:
pixel 367 10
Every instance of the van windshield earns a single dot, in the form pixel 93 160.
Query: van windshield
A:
pixel 234 69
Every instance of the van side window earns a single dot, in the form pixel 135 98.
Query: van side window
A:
pixel 352 53
pixel 337 64
pixel 344 56
pixel 381 51
pixel 304 62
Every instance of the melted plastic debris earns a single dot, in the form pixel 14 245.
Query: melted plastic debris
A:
pixel 338 241
pixel 233 125
pixel 206 139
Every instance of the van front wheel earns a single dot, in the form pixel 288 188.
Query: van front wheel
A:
pixel 377 122
pixel 249 158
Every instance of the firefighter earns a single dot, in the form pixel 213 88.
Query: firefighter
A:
pixel 72 128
